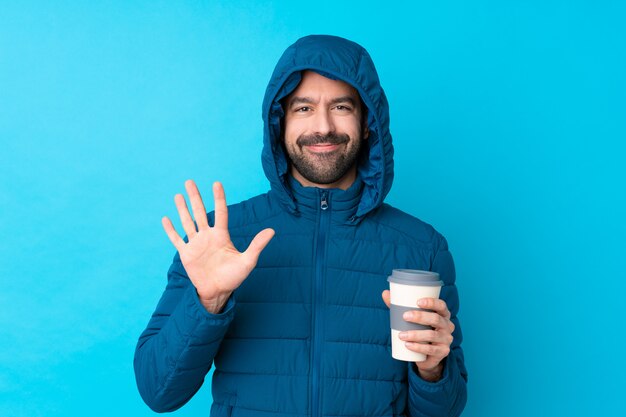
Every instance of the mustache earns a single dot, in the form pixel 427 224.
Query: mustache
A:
pixel 332 138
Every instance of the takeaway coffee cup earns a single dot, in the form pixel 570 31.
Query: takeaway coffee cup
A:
pixel 407 286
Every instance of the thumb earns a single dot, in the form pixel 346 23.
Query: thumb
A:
pixel 257 245
pixel 387 298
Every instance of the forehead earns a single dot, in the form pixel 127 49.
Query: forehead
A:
pixel 315 85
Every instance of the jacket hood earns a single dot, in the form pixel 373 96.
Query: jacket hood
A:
pixel 338 59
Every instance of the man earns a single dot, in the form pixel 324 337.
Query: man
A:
pixel 282 292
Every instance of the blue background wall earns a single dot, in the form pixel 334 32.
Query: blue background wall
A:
pixel 509 127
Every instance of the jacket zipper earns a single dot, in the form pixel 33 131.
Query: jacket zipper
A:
pixel 317 295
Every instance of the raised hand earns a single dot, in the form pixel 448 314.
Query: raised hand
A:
pixel 214 266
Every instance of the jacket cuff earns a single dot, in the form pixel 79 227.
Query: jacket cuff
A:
pixel 202 313
pixel 199 322
pixel 446 397
pixel 416 382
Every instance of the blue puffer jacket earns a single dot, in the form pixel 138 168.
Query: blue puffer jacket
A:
pixel 307 333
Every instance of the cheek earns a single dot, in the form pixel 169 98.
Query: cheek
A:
pixel 351 127
pixel 293 129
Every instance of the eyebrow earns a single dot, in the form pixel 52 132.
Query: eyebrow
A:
pixel 309 100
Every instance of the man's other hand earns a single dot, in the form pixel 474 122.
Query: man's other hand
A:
pixel 214 266
pixel 435 343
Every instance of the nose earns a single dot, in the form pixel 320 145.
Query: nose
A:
pixel 323 123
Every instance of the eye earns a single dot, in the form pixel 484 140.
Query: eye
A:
pixel 341 107
pixel 302 109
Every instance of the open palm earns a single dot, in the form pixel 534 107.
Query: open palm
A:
pixel 213 264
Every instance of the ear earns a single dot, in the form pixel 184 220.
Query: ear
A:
pixel 366 130
pixel 364 126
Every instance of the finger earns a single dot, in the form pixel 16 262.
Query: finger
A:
pixel 387 298
pixel 438 351
pixel 426 336
pixel 176 240
pixel 221 210
pixel 436 304
pixel 259 243
pixel 185 217
pixel 197 206
pixel 425 318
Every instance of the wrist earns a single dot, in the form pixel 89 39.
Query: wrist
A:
pixel 432 374
pixel 215 304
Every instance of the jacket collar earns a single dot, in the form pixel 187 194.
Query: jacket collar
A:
pixel 342 204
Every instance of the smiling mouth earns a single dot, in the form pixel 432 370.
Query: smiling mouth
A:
pixel 322 147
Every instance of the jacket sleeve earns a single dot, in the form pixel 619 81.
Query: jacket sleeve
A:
pixel 446 397
pixel 176 350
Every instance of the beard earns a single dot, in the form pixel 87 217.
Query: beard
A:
pixel 324 167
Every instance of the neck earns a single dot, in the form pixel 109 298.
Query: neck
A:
pixel 343 183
